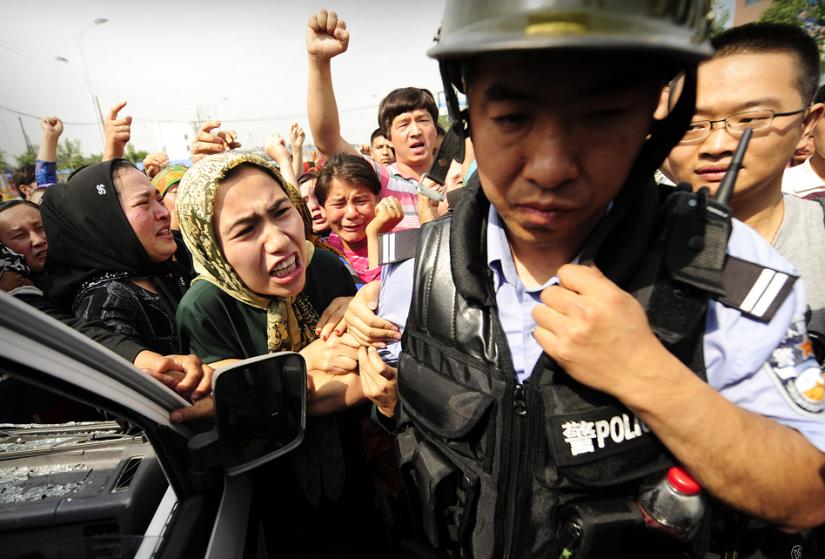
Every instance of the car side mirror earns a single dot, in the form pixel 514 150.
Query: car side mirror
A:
pixel 260 413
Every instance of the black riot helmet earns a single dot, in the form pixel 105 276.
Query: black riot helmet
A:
pixel 674 31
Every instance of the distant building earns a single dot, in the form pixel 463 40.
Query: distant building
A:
pixel 746 11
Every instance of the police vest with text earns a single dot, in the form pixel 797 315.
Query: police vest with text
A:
pixel 493 463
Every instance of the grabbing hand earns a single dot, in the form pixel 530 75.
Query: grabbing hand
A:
pixel 207 143
pixel 378 380
pixel 154 162
pixel 332 319
pixel 362 322
pixel 598 333
pixel 335 355
pixel 296 135
pixel 199 410
pixel 327 36
pixel 388 214
pixel 116 132
pixel 427 208
pixel 186 374
pixel 52 126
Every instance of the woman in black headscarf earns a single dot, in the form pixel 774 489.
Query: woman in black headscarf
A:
pixel 112 257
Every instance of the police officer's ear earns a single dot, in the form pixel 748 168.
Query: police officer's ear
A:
pixel 663 108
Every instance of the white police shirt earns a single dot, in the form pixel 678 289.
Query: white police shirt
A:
pixel 767 368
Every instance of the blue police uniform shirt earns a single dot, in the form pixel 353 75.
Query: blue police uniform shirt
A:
pixel 766 368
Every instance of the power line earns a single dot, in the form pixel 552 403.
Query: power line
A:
pixel 68 76
pixel 29 115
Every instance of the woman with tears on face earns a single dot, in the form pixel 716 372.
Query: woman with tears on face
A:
pixel 113 253
pixel 262 286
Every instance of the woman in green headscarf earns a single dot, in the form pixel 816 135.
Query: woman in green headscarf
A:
pixel 261 287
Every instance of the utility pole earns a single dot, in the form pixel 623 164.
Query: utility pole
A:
pixel 29 146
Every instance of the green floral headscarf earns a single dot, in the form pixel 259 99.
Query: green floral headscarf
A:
pixel 290 320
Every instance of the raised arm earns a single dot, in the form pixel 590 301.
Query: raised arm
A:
pixel 45 167
pixel 296 142
pixel 326 37
pixel 117 132
pixel 276 149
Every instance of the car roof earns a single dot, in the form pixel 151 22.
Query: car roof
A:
pixel 34 339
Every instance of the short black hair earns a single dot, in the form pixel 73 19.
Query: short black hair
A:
pixel 306 177
pixel 348 168
pixel 17 202
pixel 820 95
pixel 765 37
pixel 404 100
pixel 23 175
pixel 376 133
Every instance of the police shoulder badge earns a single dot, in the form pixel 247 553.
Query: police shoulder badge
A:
pixel 796 372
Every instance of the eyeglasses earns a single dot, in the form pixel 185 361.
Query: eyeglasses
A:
pixel 734 124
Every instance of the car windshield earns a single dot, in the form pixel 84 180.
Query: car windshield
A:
pixel 74 481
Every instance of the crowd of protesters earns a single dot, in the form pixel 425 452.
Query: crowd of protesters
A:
pixel 181 270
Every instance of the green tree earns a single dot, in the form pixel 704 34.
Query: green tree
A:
pixel 810 15
pixel 70 156
pixel 27 157
pixel 134 155
pixel 4 164
pixel 721 15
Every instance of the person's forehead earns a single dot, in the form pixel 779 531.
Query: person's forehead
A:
pixel 132 182
pixel 411 114
pixel 19 216
pixel 251 178
pixel 741 81
pixel 308 187
pixel 345 189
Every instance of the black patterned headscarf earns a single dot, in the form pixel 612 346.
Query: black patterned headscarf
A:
pixel 10 261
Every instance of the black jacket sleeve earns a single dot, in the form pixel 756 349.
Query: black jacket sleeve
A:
pixel 113 341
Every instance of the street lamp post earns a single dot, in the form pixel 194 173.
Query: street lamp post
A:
pixel 87 78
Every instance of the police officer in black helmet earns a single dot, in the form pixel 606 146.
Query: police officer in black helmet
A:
pixel 573 328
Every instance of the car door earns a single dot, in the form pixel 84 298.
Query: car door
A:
pixel 191 514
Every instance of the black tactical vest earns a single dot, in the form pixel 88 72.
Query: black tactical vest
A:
pixel 492 461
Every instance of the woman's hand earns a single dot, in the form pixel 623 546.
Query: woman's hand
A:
pixel 116 132
pixel 185 374
pixel 276 149
pixel 388 214
pixel 332 319
pixel 154 163
pixel 378 380
pixel 362 322
pixel 336 355
pixel 208 143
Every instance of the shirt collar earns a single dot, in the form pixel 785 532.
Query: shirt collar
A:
pixel 395 172
pixel 500 257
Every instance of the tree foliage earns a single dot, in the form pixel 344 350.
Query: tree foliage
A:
pixel 134 155
pixel 721 15
pixel 808 14
pixel 26 158
pixel 70 156
pixel 4 163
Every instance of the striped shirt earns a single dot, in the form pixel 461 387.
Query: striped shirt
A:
pixel 393 183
